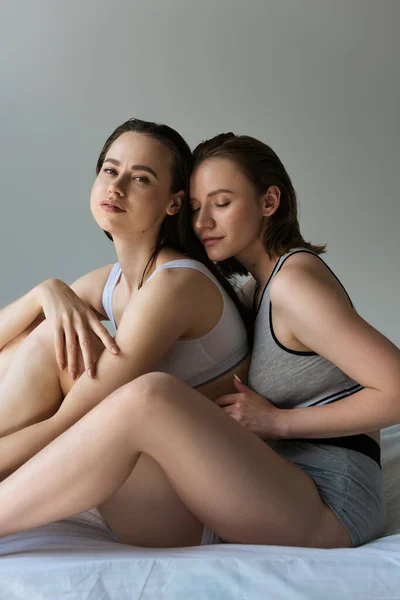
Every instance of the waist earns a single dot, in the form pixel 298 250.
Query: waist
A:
pixel 360 443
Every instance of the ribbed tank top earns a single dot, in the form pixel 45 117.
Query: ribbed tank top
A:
pixel 197 361
pixel 290 378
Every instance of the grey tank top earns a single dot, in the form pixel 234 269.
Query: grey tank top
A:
pixel 289 378
pixel 197 361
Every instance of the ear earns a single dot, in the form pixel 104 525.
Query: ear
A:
pixel 175 206
pixel 271 200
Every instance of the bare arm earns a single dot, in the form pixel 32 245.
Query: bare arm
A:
pixel 161 312
pixel 74 312
pixel 313 306
pixel 90 287
pixel 321 319
pixel 18 315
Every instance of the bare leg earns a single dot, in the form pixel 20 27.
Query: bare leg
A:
pixel 146 503
pixel 147 511
pixel 227 477
pixel 8 351
pixel 31 385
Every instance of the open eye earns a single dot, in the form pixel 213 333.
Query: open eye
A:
pixel 109 171
pixel 141 179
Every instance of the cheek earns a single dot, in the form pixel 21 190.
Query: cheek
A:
pixel 98 185
pixel 93 194
pixel 95 189
pixel 96 194
pixel 241 217
pixel 245 224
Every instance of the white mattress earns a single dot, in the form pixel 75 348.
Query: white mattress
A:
pixel 76 559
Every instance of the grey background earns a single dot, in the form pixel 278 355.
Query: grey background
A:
pixel 318 80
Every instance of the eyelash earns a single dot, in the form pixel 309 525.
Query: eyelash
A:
pixel 194 210
pixel 110 171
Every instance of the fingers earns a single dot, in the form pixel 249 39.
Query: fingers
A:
pixel 71 348
pixel 74 333
pixel 85 342
pixel 226 399
pixel 104 335
pixel 58 335
pixel 241 387
pixel 87 352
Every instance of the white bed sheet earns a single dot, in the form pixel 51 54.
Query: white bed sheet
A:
pixel 75 559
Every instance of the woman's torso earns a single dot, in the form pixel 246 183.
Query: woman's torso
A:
pixel 208 361
pixel 288 377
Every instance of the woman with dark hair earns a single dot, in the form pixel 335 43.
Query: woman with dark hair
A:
pixel 172 309
pixel 293 461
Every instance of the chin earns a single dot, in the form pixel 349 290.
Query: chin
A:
pixel 216 255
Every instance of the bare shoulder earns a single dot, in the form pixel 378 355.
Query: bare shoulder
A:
pixel 189 293
pixel 194 284
pixel 90 288
pixel 191 280
pixel 302 275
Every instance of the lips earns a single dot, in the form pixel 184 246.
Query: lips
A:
pixel 112 207
pixel 211 241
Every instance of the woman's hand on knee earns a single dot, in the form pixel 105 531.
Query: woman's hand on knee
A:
pixel 72 322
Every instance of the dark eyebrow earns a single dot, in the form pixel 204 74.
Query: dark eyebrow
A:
pixel 134 167
pixel 220 191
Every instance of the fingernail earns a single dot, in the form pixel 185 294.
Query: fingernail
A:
pixel 61 366
pixel 237 378
pixel 114 350
pixel 73 375
pixel 91 372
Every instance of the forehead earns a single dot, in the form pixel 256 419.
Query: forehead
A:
pixel 141 149
pixel 214 173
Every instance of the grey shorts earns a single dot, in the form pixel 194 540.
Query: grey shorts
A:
pixel 349 482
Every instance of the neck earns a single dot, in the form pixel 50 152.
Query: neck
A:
pixel 133 255
pixel 256 260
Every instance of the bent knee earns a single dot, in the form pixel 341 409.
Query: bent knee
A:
pixel 151 383
pixel 147 389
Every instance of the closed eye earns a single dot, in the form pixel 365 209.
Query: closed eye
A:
pixel 221 205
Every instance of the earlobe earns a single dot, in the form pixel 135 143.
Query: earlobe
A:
pixel 175 205
pixel 271 200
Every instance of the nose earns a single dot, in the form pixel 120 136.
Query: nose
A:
pixel 116 187
pixel 203 220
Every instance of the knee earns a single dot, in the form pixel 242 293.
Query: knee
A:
pixel 147 390
pixel 151 385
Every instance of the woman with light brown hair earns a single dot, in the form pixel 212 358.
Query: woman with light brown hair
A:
pixel 293 459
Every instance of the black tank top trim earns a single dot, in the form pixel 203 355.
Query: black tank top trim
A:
pixel 360 443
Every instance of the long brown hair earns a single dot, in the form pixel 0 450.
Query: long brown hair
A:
pixel 176 230
pixel 263 168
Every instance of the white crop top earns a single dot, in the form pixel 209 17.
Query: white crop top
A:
pixel 199 360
